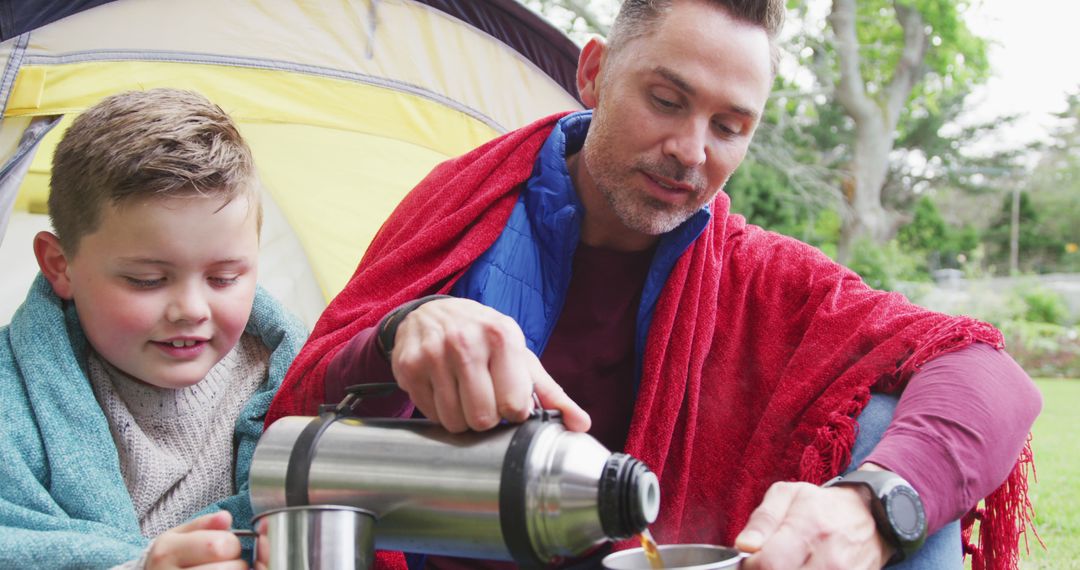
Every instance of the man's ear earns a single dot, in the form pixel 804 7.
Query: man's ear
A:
pixel 588 71
pixel 53 263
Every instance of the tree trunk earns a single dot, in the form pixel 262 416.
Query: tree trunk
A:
pixel 875 120
pixel 867 218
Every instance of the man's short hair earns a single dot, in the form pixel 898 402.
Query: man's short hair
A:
pixel 638 17
pixel 143 144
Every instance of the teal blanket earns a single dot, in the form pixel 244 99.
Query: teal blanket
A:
pixel 63 503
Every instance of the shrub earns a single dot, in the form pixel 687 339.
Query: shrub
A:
pixel 1043 349
pixel 1045 306
pixel 884 266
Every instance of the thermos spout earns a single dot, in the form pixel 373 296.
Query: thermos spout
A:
pixel 629 496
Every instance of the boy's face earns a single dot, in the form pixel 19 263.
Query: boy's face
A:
pixel 164 287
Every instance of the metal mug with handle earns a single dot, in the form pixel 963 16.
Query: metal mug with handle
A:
pixel 678 557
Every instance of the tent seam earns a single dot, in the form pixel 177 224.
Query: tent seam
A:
pixel 269 64
pixel 11 70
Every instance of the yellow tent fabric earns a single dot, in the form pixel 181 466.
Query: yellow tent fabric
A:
pixel 346 105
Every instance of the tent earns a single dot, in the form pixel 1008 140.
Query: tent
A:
pixel 345 103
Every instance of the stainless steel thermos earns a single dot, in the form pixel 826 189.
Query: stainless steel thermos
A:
pixel 531 492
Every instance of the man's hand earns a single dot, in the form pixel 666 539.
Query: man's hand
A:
pixel 799 525
pixel 466 366
pixel 204 542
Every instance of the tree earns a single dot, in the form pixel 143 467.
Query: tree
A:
pixel 1039 248
pixel 578 18
pixel 939 244
pixel 887 65
pixel 1054 187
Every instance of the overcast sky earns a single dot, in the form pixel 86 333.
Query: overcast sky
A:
pixel 1033 60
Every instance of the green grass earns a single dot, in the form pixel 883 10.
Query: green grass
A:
pixel 1056 494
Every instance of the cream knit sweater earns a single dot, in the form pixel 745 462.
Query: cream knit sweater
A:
pixel 176 446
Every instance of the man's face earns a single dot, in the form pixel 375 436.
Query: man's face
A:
pixel 164 286
pixel 674 112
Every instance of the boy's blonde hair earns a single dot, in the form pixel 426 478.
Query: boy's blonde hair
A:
pixel 141 144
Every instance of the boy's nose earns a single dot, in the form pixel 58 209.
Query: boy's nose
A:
pixel 188 305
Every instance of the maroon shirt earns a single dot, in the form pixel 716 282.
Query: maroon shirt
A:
pixel 956 433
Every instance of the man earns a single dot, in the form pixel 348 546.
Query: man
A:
pixel 727 358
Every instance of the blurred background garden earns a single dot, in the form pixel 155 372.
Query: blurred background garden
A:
pixel 933 146
pixel 882 152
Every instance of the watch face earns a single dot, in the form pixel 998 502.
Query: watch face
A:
pixel 905 513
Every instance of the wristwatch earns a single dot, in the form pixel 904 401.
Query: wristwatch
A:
pixel 896 507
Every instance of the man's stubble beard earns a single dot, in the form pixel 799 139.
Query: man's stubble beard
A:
pixel 633 206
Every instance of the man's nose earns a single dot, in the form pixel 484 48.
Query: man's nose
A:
pixel 688 145
pixel 188 304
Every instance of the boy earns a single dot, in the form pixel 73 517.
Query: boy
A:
pixel 135 376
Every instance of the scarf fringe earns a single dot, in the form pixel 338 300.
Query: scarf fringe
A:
pixel 955 334
pixel 1006 515
pixel 830 451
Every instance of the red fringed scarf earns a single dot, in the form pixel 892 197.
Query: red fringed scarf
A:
pixel 761 352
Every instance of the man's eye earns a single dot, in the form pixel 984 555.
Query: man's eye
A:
pixel 664 103
pixel 144 283
pixel 725 129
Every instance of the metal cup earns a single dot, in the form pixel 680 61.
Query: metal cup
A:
pixel 678 557
pixel 322 537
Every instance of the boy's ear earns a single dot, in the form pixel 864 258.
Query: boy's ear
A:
pixel 588 71
pixel 53 263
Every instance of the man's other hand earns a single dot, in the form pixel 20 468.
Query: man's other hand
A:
pixel 799 525
pixel 466 366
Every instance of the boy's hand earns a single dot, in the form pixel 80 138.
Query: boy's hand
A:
pixel 203 543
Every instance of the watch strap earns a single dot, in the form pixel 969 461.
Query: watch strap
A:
pixel 386 330
pixel 881 485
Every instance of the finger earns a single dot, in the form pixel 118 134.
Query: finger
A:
pixel 767 517
pixel 469 360
pixel 553 396
pixel 192 548
pixel 510 362
pixel 448 410
pixel 219 520
pixel 786 548
pixel 411 363
pixel 227 565
pixel 443 384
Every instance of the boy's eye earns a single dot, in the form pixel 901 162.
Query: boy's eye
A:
pixel 224 281
pixel 144 283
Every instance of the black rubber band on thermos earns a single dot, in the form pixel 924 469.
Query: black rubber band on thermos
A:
pixel 512 487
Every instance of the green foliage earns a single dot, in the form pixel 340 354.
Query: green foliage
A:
pixel 763 195
pixel 1044 306
pixel 1054 187
pixel 1040 248
pixel 955 60
pixel 757 192
pixel 883 266
pixel 935 241
pixel 1043 349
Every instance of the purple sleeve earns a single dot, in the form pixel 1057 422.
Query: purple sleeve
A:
pixel 361 362
pixel 958 429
